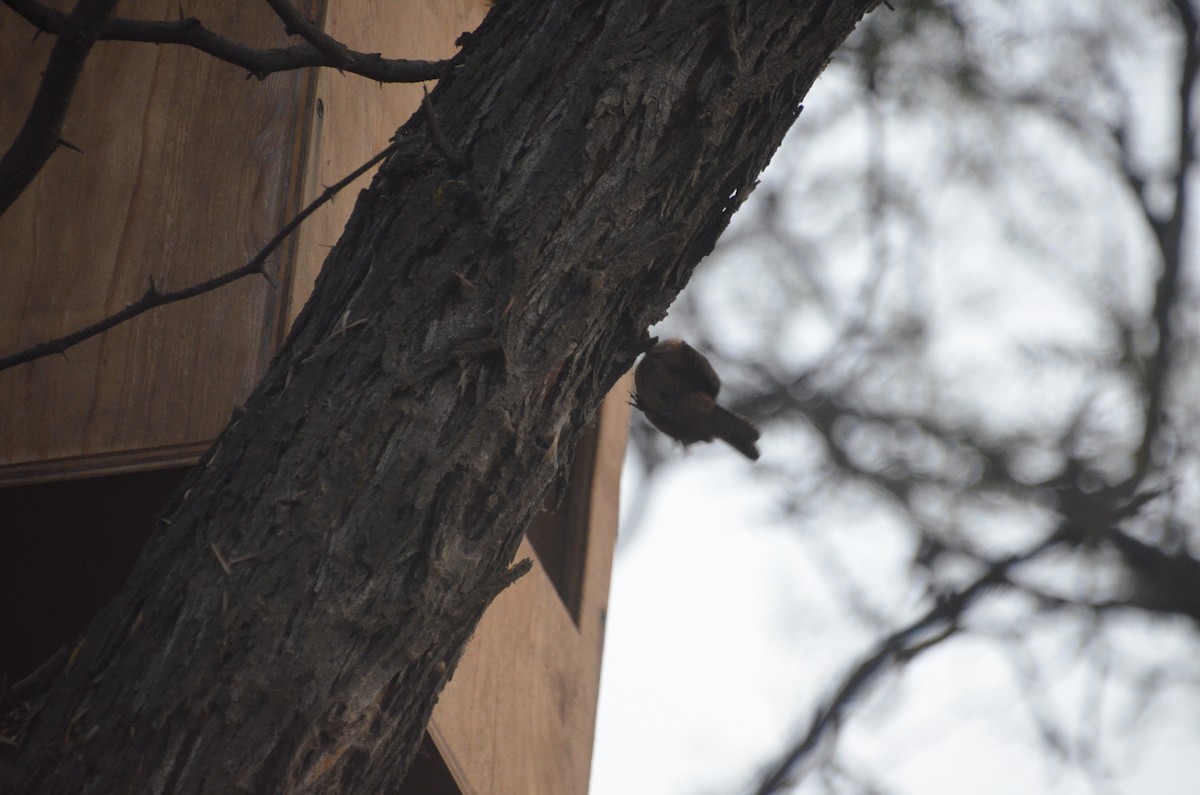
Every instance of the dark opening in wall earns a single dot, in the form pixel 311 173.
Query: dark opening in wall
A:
pixel 65 550
pixel 429 774
pixel 67 547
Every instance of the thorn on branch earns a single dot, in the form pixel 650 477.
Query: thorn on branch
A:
pixel 466 284
pixel 221 559
pixel 295 24
pixel 40 134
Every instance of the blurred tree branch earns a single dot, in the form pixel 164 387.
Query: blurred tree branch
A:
pixel 1112 489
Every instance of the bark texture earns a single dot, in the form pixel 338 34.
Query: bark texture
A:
pixel 293 620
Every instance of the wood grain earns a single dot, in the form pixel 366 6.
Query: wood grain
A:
pixel 186 170
pixel 161 194
pixel 518 718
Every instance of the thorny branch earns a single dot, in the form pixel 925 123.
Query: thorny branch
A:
pixel 41 134
pixel 317 50
pixel 90 22
pixel 295 24
pixel 153 298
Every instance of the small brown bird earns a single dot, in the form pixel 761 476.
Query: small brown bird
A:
pixel 676 388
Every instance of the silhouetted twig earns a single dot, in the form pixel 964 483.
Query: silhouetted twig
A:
pixel 939 623
pixel 294 24
pixel 41 134
pixel 153 298
pixel 1169 236
pixel 191 32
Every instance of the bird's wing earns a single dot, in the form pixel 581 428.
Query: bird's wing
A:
pixel 701 371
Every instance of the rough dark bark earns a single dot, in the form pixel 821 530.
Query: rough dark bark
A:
pixel 290 627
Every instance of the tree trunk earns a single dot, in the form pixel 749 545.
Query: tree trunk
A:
pixel 290 625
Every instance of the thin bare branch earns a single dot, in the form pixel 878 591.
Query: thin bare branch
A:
pixel 779 398
pixel 153 299
pixel 40 15
pixel 41 134
pixel 294 24
pixel 1169 235
pixel 939 623
pixel 191 32
pixel 1162 582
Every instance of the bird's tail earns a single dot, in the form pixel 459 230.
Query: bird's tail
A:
pixel 735 431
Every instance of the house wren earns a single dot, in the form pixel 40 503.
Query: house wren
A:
pixel 676 388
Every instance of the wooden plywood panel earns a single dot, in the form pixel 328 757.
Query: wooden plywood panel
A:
pixel 356 117
pixel 187 169
pixel 161 194
pixel 169 136
pixel 518 717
